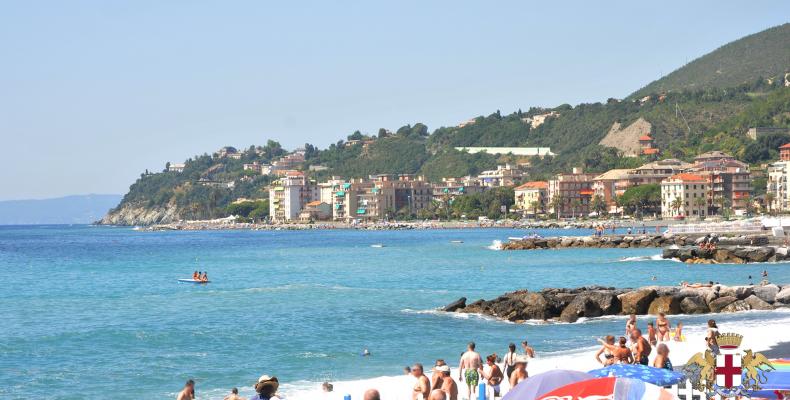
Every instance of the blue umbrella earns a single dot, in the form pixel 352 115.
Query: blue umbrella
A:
pixel 656 376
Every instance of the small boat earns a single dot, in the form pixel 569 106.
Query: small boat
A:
pixel 377 245
pixel 456 241
pixel 192 281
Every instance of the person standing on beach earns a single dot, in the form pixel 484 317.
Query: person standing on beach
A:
pixel 234 395
pixel 510 359
pixel 712 337
pixel 664 327
pixel 662 357
pixel 651 334
pixel 423 386
pixel 608 356
pixel 188 392
pixel 494 375
pixel 621 353
pixel 520 373
pixel 470 367
pixel 640 347
pixel 436 376
pixel 630 325
pixel 529 353
pixel 447 383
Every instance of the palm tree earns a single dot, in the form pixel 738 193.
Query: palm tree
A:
pixel 676 204
pixel 535 205
pixel 575 203
pixel 556 204
pixel 598 205
pixel 699 203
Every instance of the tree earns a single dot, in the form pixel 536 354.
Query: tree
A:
pixel 676 204
pixel 556 204
pixel 357 135
pixel 535 205
pixel 642 197
pixel 575 204
pixel 700 204
pixel 769 202
pixel 598 205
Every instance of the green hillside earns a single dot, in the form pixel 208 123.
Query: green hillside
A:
pixel 684 122
pixel 764 54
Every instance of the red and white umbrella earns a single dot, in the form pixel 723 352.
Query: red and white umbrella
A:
pixel 609 388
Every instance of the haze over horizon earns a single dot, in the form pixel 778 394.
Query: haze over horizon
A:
pixel 96 93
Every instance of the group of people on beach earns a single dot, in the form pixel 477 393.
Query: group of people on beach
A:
pixel 200 276
pixel 265 389
pixel 471 371
pixel 633 348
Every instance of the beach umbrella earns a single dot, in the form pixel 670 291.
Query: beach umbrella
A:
pixel 542 383
pixel 656 376
pixel 609 388
pixel 776 381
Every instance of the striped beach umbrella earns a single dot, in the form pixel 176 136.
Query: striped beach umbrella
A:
pixel 609 388
pixel 777 382
pixel 545 382
pixel 656 376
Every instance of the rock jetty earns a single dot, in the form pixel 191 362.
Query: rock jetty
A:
pixel 568 305
pixel 627 241
pixel 726 255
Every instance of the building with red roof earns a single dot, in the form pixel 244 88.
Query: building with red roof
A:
pixel 686 195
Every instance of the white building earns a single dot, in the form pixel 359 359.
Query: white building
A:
pixel 286 197
pixel 176 167
pixel 685 195
pixel 516 151
pixel 777 186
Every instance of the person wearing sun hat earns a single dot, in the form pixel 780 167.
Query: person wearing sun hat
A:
pixel 448 384
pixel 265 388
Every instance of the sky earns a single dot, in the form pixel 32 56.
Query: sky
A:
pixel 92 93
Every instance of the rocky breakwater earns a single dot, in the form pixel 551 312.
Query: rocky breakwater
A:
pixel 626 241
pixel 568 305
pixel 727 254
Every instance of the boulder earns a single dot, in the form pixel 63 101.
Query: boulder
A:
pixel 460 303
pixel 694 305
pixel 670 253
pixel 756 303
pixel 720 303
pixel 783 297
pixel 637 301
pixel 667 304
pixel 591 304
pixel 767 292
pixel 530 305
pixel 736 306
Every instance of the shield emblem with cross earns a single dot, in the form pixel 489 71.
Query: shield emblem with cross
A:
pixel 728 370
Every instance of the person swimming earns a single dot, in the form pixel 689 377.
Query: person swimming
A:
pixel 196 276
pixel 204 277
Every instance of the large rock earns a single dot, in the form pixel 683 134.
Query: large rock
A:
pixel 783 297
pixel 637 301
pixel 694 305
pixel 766 293
pixel 756 303
pixel 460 303
pixel 525 306
pixel 719 304
pixel 736 306
pixel 664 304
pixel 591 304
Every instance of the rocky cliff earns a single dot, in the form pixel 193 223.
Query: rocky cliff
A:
pixel 131 215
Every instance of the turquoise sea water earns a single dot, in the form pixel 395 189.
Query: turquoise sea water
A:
pixel 96 310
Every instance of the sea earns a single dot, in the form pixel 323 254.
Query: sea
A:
pixel 98 312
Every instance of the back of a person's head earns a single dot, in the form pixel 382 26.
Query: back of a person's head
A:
pixel 372 394
pixel 471 345
pixel 234 391
pixel 512 347
pixel 437 394
pixel 190 383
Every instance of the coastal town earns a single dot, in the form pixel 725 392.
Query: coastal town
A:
pixel 714 184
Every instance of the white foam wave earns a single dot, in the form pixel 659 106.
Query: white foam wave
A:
pixel 495 245
pixel 654 257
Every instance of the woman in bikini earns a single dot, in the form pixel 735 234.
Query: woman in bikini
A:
pixel 494 375
pixel 663 327
pixel 608 357
pixel 712 337
pixel 510 360
pixel 621 353
pixel 629 325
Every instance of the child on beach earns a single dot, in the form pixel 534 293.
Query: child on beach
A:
pixel 651 334
pixel 678 335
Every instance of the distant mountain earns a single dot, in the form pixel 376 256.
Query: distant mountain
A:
pixel 764 54
pixel 78 209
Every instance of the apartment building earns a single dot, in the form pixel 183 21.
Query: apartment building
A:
pixel 532 194
pixel 685 195
pixel 570 194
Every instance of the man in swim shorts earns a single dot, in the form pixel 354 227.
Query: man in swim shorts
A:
pixel 470 368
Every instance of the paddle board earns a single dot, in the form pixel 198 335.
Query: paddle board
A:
pixel 192 281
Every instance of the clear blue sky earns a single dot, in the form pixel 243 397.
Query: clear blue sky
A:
pixel 94 92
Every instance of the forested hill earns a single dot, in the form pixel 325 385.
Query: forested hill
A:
pixel 682 122
pixel 764 54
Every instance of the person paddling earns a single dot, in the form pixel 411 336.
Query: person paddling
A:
pixel 204 278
